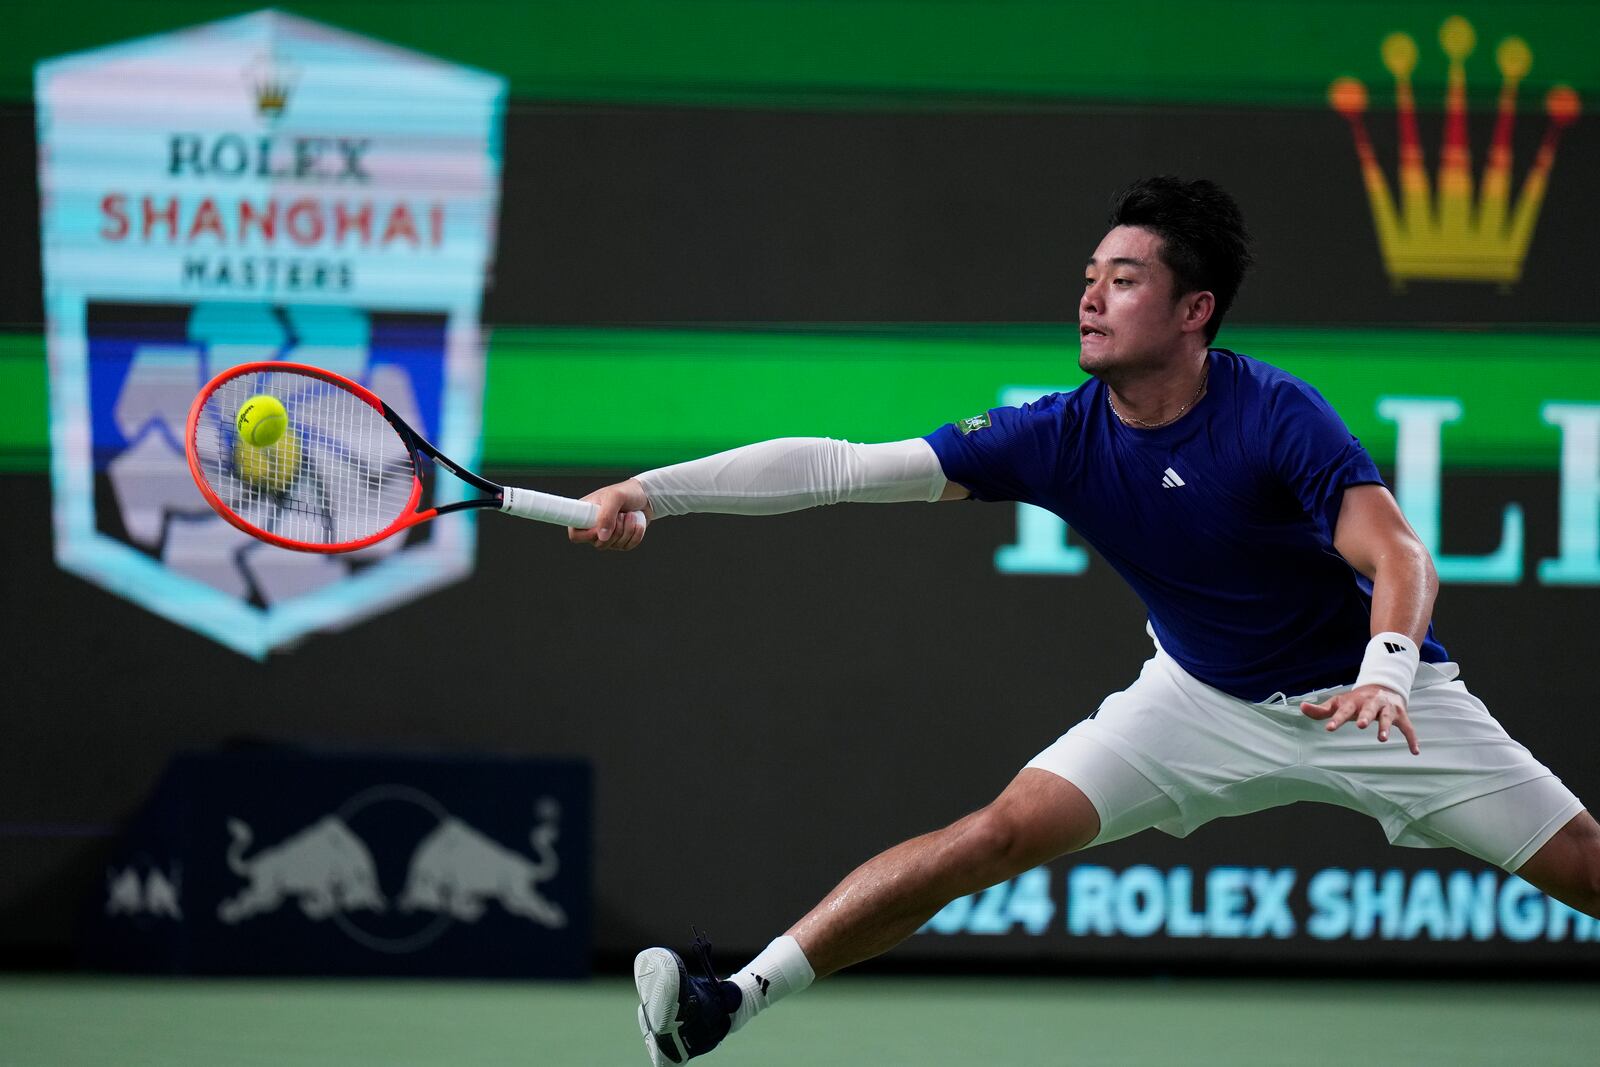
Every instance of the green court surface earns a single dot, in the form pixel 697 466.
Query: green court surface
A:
pixel 881 1021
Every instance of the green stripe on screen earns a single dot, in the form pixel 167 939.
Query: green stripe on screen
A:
pixel 573 397
pixel 873 53
pixel 560 397
pixel 1502 380
pixel 24 403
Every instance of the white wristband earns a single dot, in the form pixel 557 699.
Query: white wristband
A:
pixel 1391 661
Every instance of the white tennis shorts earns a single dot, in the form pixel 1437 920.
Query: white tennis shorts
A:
pixel 1173 753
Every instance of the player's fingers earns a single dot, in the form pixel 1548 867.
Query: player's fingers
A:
pixel 1403 721
pixel 1343 709
pixel 612 540
pixel 637 525
pixel 630 530
pixel 605 520
pixel 1316 711
pixel 583 535
pixel 1395 715
pixel 629 527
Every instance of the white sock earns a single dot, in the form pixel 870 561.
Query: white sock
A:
pixel 780 969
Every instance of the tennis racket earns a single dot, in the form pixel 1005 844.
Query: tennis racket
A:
pixel 345 473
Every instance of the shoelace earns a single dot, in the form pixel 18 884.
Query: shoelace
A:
pixel 702 950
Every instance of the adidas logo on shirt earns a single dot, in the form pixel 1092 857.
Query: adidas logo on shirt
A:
pixel 1170 479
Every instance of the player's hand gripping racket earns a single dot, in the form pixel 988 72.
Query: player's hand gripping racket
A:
pixel 342 475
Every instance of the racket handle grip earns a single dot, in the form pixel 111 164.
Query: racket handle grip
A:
pixel 544 507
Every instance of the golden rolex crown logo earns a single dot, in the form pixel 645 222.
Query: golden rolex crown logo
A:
pixel 271 83
pixel 1446 230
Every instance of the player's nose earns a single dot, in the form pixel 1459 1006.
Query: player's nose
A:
pixel 1089 302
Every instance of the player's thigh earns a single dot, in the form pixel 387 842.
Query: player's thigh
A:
pixel 1567 866
pixel 1038 817
pixel 1171 753
pixel 1508 827
pixel 1121 800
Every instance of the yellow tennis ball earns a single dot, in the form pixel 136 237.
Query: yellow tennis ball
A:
pixel 262 420
pixel 272 468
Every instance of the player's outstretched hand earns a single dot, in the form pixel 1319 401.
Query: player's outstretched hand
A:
pixel 624 511
pixel 1367 704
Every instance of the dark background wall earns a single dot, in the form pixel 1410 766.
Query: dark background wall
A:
pixel 814 688
pixel 802 692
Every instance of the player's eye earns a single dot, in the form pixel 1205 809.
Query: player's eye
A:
pixel 1122 281
pixel 1087 282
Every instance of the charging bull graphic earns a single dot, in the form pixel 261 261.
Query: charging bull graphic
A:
pixel 287 860
pixel 456 870
pixel 325 866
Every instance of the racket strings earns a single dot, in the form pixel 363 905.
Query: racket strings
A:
pixel 340 472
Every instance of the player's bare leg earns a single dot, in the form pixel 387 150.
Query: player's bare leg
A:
pixel 1038 817
pixel 881 903
pixel 1567 866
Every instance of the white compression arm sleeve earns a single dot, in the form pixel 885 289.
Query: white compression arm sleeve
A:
pixel 792 473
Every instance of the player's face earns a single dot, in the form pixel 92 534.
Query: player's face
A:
pixel 1128 318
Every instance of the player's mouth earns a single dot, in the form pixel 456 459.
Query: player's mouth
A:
pixel 1086 331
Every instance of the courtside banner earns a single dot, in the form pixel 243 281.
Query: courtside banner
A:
pixel 302 861
pixel 1147 910
pixel 263 187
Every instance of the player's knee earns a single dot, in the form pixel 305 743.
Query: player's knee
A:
pixel 996 842
pixel 1582 889
pixel 1587 877
pixel 1568 867
pixel 1589 881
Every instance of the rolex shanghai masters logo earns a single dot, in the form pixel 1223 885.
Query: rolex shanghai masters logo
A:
pixel 1449 226
pixel 234 192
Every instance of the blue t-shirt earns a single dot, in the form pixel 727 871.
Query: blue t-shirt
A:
pixel 1222 522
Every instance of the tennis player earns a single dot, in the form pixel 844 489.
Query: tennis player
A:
pixel 1289 605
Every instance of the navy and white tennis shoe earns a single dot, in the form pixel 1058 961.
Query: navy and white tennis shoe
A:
pixel 681 1015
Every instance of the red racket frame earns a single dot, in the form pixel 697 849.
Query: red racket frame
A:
pixel 413 441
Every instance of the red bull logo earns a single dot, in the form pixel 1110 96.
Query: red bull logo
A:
pixel 324 867
pixel 455 872
pixel 458 871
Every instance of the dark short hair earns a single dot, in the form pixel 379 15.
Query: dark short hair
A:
pixel 1203 239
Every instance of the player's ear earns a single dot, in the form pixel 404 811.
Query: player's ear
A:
pixel 1197 310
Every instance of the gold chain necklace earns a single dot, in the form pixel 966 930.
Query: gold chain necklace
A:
pixel 1139 424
